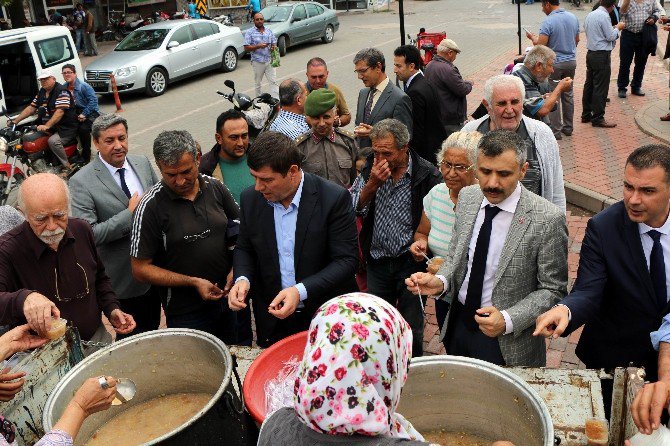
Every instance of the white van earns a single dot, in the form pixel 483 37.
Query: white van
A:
pixel 24 52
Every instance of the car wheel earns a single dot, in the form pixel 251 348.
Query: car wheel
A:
pixel 229 60
pixel 282 44
pixel 328 35
pixel 156 82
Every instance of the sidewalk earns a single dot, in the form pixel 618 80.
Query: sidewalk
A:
pixel 593 161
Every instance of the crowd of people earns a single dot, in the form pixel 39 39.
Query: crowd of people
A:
pixel 308 211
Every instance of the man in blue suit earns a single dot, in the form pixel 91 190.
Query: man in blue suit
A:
pixel 621 291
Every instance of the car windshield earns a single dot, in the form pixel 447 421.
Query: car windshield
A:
pixel 276 13
pixel 142 39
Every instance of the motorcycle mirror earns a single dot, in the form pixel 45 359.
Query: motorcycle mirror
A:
pixel 230 84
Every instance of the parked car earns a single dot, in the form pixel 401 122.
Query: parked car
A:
pixel 298 22
pixel 158 54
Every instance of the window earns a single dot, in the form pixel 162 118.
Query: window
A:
pixel 202 30
pixel 53 51
pixel 314 10
pixel 215 28
pixel 299 13
pixel 182 35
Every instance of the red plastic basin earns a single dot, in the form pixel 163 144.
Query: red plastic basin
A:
pixel 266 367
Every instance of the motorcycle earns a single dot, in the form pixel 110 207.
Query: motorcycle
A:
pixel 224 19
pixel 160 16
pixel 427 44
pixel 259 112
pixel 180 15
pixel 123 27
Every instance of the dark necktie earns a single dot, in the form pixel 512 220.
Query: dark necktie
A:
pixel 657 269
pixel 124 186
pixel 473 298
pixel 367 111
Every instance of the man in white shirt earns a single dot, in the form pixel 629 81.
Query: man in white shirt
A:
pixel 105 193
pixel 507 261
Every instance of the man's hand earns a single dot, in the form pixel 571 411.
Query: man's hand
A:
pixel 552 323
pixel 648 405
pixel 362 130
pixel 10 384
pixel 42 128
pixel 285 303
pixel 492 325
pixel 207 289
pixel 123 323
pixel 424 283
pixel 418 249
pixel 81 118
pixel 19 339
pixel 229 283
pixel 565 84
pixel 620 25
pixel 650 21
pixel 380 172
pixel 133 202
pixel 238 295
pixel 39 311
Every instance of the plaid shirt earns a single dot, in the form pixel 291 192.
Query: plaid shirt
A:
pixel 290 124
pixel 638 13
pixel 392 231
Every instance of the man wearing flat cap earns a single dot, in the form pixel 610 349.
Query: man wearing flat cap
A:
pixel 327 151
pixel 449 85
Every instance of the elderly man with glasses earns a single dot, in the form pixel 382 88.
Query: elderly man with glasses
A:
pixel 184 229
pixel 50 268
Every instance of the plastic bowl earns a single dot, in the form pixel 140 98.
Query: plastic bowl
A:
pixel 266 367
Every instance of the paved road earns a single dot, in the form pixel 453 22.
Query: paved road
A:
pixel 482 28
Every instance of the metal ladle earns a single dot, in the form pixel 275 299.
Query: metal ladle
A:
pixel 125 391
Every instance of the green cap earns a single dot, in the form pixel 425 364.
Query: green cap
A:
pixel 319 101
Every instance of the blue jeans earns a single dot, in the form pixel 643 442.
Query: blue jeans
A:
pixel 79 39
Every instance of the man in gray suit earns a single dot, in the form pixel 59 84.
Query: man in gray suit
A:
pixel 105 193
pixel 380 99
pixel 506 264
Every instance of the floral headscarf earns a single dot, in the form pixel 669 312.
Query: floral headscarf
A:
pixel 354 367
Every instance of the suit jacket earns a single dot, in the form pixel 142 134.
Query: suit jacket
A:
pixel 532 273
pixel 98 199
pixel 326 252
pixel 614 296
pixel 392 103
pixel 427 130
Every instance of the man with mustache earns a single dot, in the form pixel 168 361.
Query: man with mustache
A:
pixel 540 100
pixel 50 268
pixel 506 263
pixel 106 193
pixel 328 151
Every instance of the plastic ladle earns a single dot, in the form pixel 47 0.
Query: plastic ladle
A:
pixel 125 391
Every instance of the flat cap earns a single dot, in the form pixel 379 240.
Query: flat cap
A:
pixel 448 44
pixel 319 101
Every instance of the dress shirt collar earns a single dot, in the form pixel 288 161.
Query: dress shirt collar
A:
pixel 409 81
pixel 112 169
pixel 381 86
pixel 38 246
pixel 665 229
pixel 509 204
pixel 318 139
pixel 296 198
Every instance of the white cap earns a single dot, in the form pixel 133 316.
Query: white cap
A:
pixel 44 74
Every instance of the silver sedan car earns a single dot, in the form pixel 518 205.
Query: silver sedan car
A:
pixel 155 55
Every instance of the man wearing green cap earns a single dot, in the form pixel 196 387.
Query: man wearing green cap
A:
pixel 327 151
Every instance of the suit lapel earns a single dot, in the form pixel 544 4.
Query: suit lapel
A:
pixel 632 236
pixel 267 222
pixel 305 210
pixel 107 180
pixel 383 97
pixel 520 222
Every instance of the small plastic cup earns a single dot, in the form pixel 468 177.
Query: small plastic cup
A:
pixel 58 327
pixel 597 432
pixel 433 265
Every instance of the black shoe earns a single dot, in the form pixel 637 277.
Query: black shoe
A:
pixel 566 132
pixel 604 124
pixel 622 94
pixel 586 119
pixel 637 92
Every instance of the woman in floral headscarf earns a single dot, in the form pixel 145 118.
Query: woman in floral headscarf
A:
pixel 348 386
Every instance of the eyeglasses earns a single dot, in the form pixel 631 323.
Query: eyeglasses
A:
pixel 191 238
pixel 77 296
pixel 67 72
pixel 459 168
pixel 362 70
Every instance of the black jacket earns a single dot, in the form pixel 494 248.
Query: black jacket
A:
pixel 325 259
pixel 424 177
pixel 209 160
pixel 428 133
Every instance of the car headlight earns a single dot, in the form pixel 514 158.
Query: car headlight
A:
pixel 125 72
pixel 3 145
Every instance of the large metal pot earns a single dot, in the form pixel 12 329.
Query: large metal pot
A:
pixel 163 362
pixel 468 395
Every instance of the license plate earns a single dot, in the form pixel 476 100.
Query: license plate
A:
pixel 98 84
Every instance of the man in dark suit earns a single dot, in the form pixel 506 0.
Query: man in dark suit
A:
pixel 105 193
pixel 380 99
pixel 297 245
pixel 621 288
pixel 429 132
